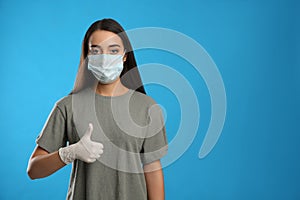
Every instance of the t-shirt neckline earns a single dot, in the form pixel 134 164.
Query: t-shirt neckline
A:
pixel 130 91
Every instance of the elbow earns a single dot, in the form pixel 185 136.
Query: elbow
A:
pixel 31 170
pixel 35 164
pixel 30 173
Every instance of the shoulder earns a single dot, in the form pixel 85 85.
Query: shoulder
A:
pixel 64 101
pixel 64 104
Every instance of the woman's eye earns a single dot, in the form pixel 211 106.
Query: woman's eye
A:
pixel 95 51
pixel 114 51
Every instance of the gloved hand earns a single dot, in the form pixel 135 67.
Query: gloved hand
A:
pixel 85 150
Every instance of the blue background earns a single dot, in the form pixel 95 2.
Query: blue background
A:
pixel 255 45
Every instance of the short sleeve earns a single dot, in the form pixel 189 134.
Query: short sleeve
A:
pixel 155 143
pixel 53 135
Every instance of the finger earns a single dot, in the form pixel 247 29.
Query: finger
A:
pixel 94 156
pixel 97 151
pixel 97 154
pixel 97 145
pixel 89 130
pixel 90 160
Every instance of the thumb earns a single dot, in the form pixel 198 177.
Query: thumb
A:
pixel 89 130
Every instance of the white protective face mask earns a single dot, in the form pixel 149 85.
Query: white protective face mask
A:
pixel 105 67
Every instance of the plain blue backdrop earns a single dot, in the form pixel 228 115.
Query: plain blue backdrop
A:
pixel 255 45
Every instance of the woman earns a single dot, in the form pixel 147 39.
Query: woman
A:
pixel 128 135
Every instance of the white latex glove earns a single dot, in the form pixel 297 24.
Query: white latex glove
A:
pixel 85 150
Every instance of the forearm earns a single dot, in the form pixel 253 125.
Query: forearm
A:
pixel 44 165
pixel 155 181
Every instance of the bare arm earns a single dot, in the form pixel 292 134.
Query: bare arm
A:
pixel 42 163
pixel 154 181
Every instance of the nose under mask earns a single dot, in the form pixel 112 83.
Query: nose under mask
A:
pixel 105 67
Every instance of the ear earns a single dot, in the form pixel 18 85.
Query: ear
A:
pixel 125 57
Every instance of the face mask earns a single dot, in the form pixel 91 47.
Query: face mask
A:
pixel 105 67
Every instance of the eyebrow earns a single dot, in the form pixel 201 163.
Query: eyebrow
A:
pixel 112 45
pixel 94 45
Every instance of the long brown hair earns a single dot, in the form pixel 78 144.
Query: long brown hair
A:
pixel 86 79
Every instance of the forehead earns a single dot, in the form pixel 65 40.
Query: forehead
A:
pixel 104 38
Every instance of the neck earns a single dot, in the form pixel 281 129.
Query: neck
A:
pixel 113 89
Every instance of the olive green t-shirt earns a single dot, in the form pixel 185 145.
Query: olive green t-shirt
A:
pixel 130 136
